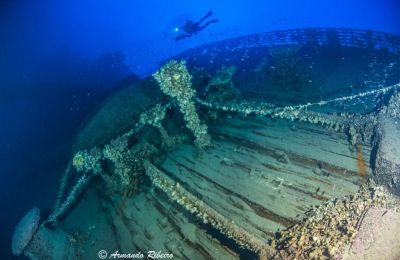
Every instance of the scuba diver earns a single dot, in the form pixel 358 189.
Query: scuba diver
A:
pixel 191 27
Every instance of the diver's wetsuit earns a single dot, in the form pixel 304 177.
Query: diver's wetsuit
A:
pixel 191 27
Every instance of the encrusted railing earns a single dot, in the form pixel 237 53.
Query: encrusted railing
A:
pixel 320 36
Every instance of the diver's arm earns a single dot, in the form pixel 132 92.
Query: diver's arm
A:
pixel 182 36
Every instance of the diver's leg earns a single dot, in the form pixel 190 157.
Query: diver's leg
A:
pixel 209 22
pixel 205 17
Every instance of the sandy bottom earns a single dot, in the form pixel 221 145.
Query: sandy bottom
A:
pixel 378 236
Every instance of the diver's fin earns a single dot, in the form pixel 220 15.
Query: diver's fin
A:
pixel 205 17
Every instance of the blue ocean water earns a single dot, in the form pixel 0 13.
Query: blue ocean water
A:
pixel 59 61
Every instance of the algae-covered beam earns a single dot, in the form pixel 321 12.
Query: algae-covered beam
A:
pixel 175 81
pixel 353 124
pixel 207 214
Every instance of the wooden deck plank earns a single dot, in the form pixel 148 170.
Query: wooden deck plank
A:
pixel 243 177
